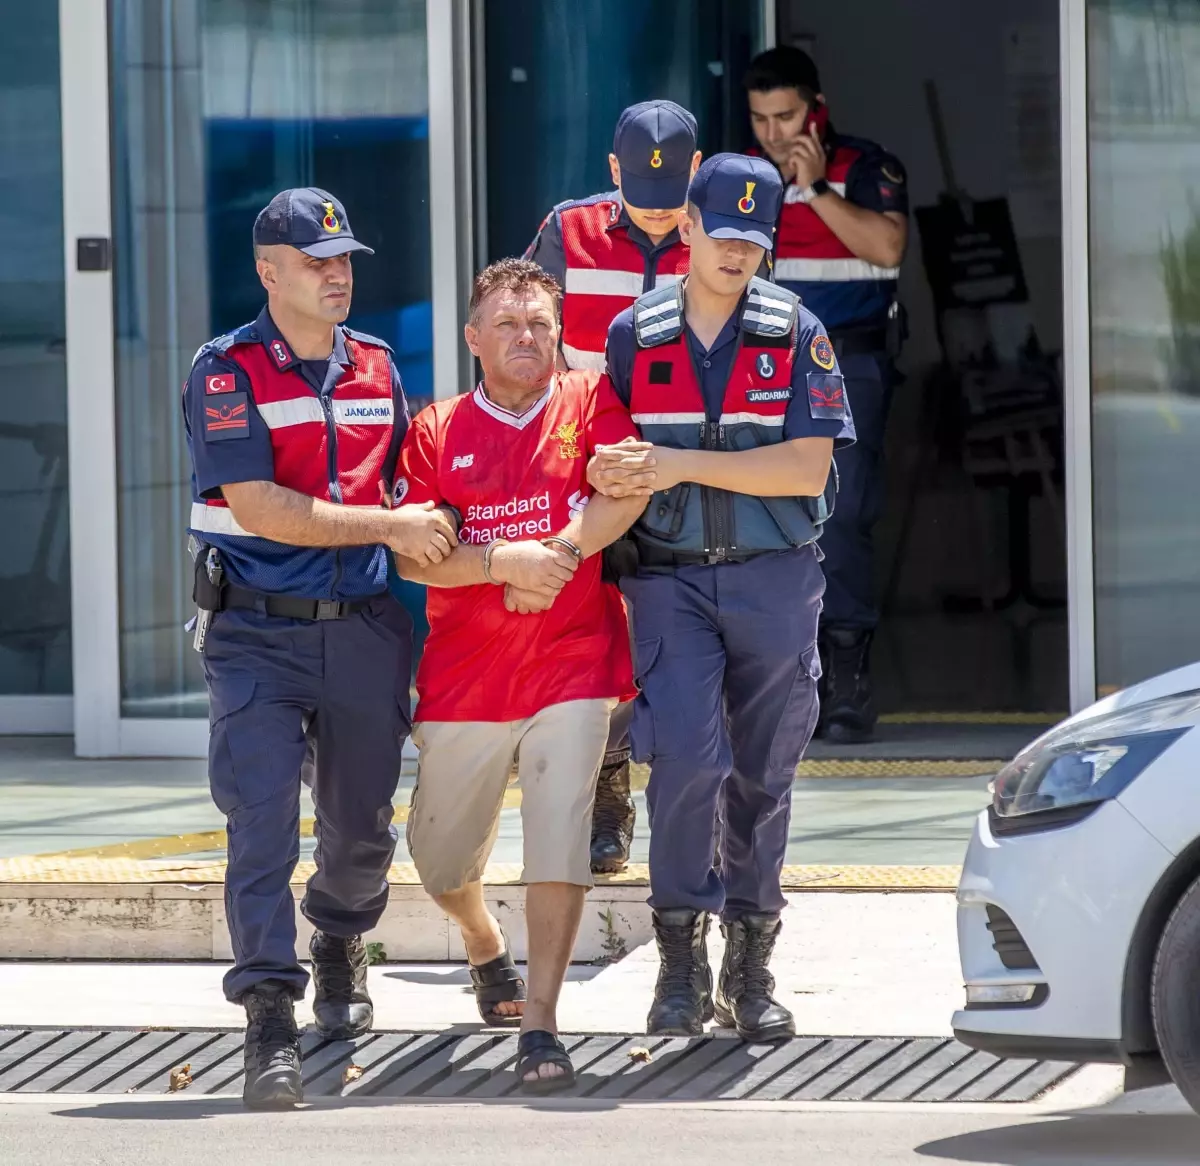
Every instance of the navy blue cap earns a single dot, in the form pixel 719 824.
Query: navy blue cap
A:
pixel 655 142
pixel 309 219
pixel 738 198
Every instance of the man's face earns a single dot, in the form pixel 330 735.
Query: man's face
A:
pixel 515 336
pixel 777 118
pixel 656 223
pixel 724 266
pixel 313 289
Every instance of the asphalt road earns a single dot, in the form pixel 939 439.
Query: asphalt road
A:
pixel 35 1132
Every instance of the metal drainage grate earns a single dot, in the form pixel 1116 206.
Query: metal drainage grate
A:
pixel 479 1065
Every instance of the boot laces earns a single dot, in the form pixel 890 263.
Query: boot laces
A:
pixel 678 960
pixel 756 972
pixel 611 810
pixel 338 962
pixel 276 1038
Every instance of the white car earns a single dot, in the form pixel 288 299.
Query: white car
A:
pixel 1079 905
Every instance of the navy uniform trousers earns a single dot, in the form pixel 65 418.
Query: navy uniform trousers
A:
pixel 727 666
pixel 847 540
pixel 326 702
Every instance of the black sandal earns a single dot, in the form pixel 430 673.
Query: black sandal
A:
pixel 498 982
pixel 536 1048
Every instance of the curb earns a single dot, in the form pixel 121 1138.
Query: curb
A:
pixel 153 911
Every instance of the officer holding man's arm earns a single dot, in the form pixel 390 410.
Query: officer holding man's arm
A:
pixel 294 425
pixel 736 387
pixel 842 234
pixel 605 251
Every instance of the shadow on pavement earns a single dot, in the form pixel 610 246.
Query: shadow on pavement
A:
pixel 1126 1139
pixel 184 1109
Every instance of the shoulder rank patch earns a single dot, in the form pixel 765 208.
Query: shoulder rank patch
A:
pixel 822 351
pixel 826 396
pixel 226 418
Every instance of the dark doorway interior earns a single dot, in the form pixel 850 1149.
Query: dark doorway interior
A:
pixel 970 552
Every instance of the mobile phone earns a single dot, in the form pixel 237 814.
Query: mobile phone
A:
pixel 818 115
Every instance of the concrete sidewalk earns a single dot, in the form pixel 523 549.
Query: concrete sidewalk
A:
pixel 846 964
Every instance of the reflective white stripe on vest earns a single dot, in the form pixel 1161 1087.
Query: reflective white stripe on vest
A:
pixel 668 418
pixel 666 278
pixel 577 358
pixel 830 271
pixel 298 411
pixel 591 281
pixel 751 419
pixel 215 520
pixel 370 411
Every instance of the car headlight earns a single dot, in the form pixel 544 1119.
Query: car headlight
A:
pixel 1066 773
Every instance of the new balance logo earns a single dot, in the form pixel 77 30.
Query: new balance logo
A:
pixel 462 463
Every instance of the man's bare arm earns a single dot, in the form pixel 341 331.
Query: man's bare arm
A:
pixel 286 516
pixel 797 468
pixel 462 568
pixel 879 237
pixel 601 522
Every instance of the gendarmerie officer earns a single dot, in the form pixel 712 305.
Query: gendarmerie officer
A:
pixel 294 424
pixel 605 251
pixel 842 233
pixel 738 390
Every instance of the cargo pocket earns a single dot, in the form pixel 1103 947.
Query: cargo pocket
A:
pixel 226 701
pixel 799 718
pixel 641 725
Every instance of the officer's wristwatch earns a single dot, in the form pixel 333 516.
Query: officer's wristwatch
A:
pixel 819 186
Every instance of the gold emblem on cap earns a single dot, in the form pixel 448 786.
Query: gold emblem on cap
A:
pixel 567 435
pixel 330 221
pixel 746 202
pixel 656 159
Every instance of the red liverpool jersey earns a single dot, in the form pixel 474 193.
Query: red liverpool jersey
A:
pixel 517 477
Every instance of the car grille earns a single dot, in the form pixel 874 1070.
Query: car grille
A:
pixel 1010 945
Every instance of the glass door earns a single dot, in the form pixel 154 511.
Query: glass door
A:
pixel 35 579
pixel 557 75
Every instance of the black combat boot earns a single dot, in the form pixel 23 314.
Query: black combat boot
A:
pixel 848 712
pixel 272 1048
pixel 744 999
pixel 613 816
pixel 341 1007
pixel 683 993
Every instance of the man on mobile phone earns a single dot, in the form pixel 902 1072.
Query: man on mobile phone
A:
pixel 841 236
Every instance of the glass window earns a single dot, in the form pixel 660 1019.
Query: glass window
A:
pixel 217 105
pixel 1144 150
pixel 563 71
pixel 35 584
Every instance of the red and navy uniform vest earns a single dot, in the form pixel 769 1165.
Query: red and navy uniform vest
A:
pixel 341 447
pixel 605 272
pixel 667 404
pixel 840 289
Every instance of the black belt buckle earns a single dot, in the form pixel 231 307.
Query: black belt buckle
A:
pixel 329 609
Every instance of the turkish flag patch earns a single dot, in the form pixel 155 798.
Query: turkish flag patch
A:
pixel 228 419
pixel 826 396
pixel 225 383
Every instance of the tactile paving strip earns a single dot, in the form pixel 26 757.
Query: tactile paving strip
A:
pixel 119 871
pixel 478 1065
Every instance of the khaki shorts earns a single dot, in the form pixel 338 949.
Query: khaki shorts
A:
pixel 462 776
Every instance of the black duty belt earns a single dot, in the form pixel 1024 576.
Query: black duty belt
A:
pixel 289 607
pixel 856 341
pixel 649 556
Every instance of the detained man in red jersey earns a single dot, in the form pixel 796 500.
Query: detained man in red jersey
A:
pixel 528 648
